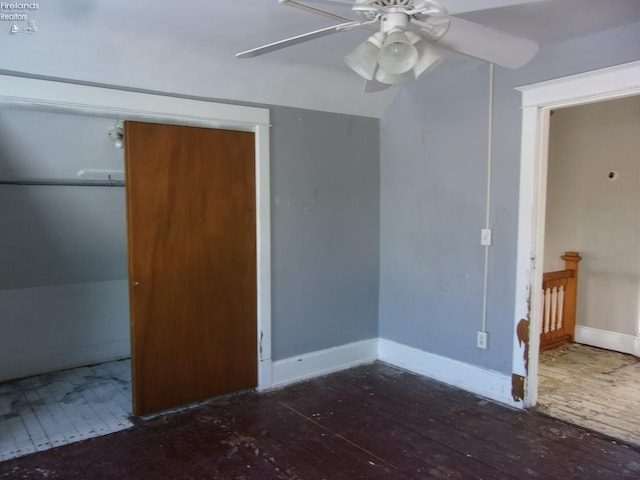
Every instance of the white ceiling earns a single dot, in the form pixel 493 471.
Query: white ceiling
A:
pixel 188 47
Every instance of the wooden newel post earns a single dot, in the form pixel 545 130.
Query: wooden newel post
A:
pixel 571 260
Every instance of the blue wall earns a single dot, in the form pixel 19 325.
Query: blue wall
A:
pixel 433 194
pixel 325 221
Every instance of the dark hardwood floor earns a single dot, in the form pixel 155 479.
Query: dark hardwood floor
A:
pixel 371 422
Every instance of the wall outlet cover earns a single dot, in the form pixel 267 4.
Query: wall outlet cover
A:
pixel 482 340
pixel 486 237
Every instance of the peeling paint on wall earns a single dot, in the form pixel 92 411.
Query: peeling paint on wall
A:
pixel 523 339
pixel 518 381
pixel 517 387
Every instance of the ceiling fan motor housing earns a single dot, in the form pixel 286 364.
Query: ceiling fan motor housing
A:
pixel 394 20
pixel 411 8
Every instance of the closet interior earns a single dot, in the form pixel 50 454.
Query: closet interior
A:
pixel 64 348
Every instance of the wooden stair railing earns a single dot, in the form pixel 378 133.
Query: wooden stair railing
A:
pixel 559 292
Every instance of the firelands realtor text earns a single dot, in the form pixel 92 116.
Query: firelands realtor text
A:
pixel 15 11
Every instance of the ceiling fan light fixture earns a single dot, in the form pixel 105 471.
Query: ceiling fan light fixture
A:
pixel 429 57
pixel 388 78
pixel 397 55
pixel 364 58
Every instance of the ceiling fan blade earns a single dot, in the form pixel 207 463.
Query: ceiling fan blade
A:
pixel 487 44
pixel 328 2
pixel 323 13
pixel 317 11
pixel 305 37
pixel 455 7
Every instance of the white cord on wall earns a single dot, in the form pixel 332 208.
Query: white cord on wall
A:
pixel 488 206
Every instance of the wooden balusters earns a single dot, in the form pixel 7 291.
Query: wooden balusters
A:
pixel 559 303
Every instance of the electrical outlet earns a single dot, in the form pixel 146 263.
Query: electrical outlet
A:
pixel 485 237
pixel 482 340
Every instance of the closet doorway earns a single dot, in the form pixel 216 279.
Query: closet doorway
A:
pixel 132 107
pixel 63 281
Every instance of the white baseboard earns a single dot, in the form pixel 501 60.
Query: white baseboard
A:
pixel 265 372
pixel 322 362
pixel 481 381
pixel 618 342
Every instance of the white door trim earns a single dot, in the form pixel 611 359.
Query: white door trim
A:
pixel 128 105
pixel 537 102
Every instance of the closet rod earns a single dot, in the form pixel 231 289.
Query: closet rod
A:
pixel 66 183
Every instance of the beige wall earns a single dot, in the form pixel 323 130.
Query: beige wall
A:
pixel 595 215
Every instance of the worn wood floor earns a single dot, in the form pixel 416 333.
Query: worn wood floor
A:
pixel 598 389
pixel 371 422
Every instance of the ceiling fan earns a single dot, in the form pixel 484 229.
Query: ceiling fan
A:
pixel 411 38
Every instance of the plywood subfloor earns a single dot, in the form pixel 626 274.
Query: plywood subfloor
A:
pixel 59 408
pixel 373 423
pixel 595 388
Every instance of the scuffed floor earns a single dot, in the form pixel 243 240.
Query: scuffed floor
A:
pixel 371 422
pixel 59 408
pixel 595 388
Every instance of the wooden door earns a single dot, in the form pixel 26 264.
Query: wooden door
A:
pixel 191 213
